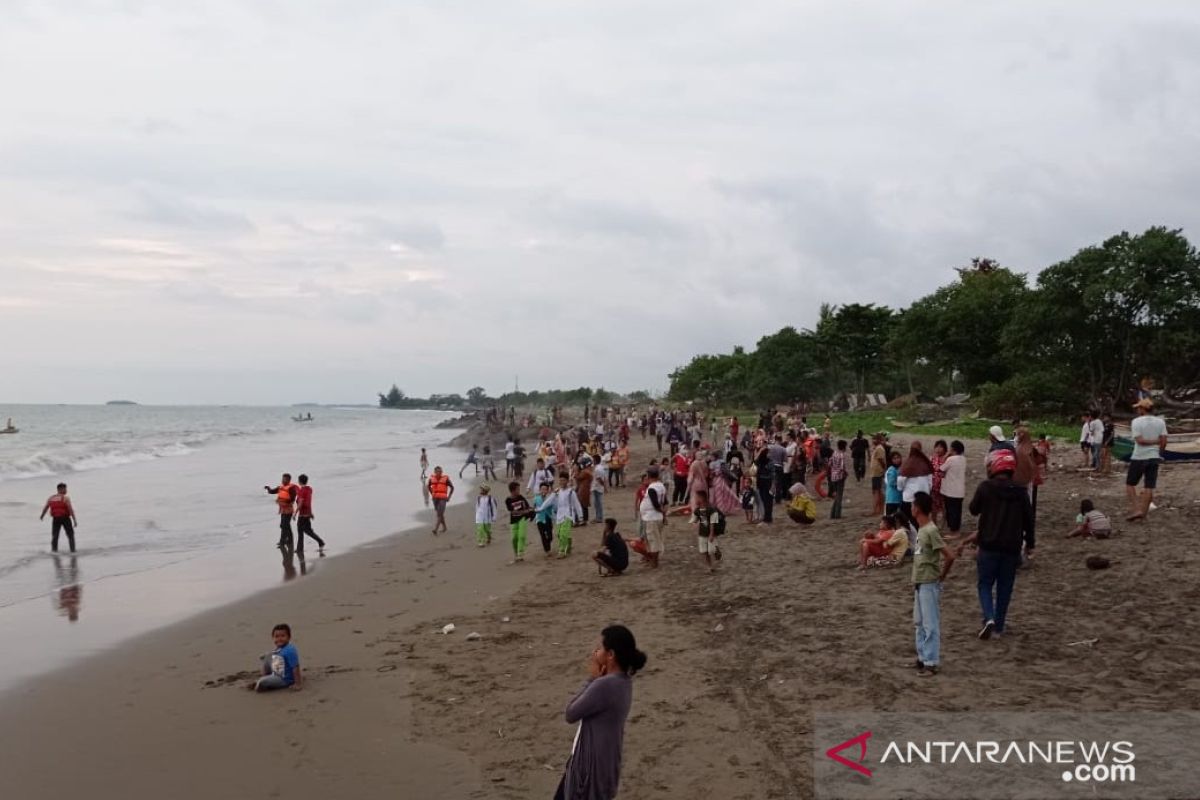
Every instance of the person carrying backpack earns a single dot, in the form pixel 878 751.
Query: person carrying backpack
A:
pixel 712 524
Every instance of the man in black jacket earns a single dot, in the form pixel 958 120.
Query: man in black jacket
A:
pixel 1005 524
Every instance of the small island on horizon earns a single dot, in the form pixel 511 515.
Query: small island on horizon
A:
pixel 120 403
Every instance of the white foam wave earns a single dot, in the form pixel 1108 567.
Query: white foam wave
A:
pixel 45 465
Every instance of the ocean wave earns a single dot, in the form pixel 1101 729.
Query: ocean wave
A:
pixel 45 465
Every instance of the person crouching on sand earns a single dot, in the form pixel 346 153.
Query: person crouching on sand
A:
pixel 613 555
pixel 1091 523
pixel 594 768
pixel 280 667
pixel 485 515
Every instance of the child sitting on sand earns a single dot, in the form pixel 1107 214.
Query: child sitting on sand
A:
pixel 884 547
pixel 1091 522
pixel 280 667
pixel 613 555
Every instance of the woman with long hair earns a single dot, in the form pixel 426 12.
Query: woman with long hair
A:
pixel 594 769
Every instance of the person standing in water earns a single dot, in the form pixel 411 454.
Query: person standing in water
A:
pixel 305 516
pixel 424 464
pixel 442 490
pixel 285 496
pixel 62 517
pixel 594 768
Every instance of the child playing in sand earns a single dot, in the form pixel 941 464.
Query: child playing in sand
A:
pixel 749 500
pixel 489 464
pixel 613 556
pixel 519 514
pixel 711 525
pixel 1091 523
pixel 893 497
pixel 280 667
pixel 884 547
pixel 485 515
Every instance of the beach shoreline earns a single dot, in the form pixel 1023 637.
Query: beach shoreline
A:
pixel 739 662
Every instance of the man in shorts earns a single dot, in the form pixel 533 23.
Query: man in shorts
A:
pixel 653 511
pixel 1149 440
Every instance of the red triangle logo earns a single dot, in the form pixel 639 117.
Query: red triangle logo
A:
pixel 835 753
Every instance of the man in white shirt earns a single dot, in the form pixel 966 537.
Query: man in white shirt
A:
pixel 510 458
pixel 653 512
pixel 1149 440
pixel 541 474
pixel 1096 436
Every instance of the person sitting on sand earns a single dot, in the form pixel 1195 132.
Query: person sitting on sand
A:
pixel 884 547
pixel 280 667
pixel 801 507
pixel 594 769
pixel 1091 523
pixel 613 555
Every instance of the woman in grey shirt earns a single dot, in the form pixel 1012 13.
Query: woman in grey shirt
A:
pixel 601 706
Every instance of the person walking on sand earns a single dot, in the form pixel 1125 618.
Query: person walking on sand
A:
pixel 932 560
pixel 593 770
pixel 954 485
pixel 653 513
pixel 1149 440
pixel 305 516
pixel 710 524
pixel 583 487
pixel 424 464
pixel 1005 524
pixel 837 479
pixel 879 466
pixel 859 446
pixel 442 490
pixel 485 516
pixel 543 508
pixel 62 517
pixel 472 460
pixel 285 498
pixel 519 514
pixel 567 511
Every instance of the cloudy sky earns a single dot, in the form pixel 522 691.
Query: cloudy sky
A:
pixel 284 201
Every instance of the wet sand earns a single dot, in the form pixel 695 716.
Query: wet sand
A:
pixel 739 661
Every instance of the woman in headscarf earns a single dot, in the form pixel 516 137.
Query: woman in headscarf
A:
pixel 916 475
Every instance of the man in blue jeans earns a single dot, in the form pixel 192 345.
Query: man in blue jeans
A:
pixel 1005 525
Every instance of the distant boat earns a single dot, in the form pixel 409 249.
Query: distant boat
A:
pixel 10 430
pixel 308 418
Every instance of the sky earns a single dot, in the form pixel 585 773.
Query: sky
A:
pixel 293 201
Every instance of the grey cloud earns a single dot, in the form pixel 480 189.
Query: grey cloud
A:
pixel 606 218
pixel 412 233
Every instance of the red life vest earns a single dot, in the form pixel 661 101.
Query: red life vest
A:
pixel 284 498
pixel 439 486
pixel 60 506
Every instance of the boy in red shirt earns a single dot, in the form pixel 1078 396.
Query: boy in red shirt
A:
pixel 304 517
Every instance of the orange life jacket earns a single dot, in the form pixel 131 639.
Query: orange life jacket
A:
pixel 439 486
pixel 284 498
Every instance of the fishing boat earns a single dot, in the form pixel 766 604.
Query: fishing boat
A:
pixel 309 418
pixel 1180 446
pixel 10 430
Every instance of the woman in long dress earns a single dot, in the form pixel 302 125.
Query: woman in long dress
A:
pixel 594 769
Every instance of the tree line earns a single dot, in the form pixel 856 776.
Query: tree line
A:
pixel 477 397
pixel 1083 334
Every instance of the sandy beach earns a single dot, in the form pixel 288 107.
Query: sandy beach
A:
pixel 739 661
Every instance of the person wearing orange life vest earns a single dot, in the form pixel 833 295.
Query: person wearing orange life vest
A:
pixel 442 490
pixel 285 496
pixel 62 517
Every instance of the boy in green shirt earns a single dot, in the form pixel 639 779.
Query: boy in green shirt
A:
pixel 932 560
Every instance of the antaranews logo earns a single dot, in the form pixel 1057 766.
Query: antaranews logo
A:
pixel 860 742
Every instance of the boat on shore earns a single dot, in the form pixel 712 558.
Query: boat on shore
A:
pixel 1180 446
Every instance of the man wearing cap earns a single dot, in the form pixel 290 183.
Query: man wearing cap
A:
pixel 1149 440
pixel 1005 524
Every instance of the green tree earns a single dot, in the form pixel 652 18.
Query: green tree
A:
pixel 477 396
pixel 393 399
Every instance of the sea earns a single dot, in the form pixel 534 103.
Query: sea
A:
pixel 173 516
